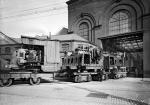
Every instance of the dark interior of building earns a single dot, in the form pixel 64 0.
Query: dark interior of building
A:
pixel 132 45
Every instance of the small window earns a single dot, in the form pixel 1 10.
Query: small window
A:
pixel 115 61
pixel 111 61
pixel 76 61
pixel 120 61
pixel 30 41
pixel 80 46
pixel 80 60
pixel 71 60
pixel 21 55
pixel 65 47
pixel 63 60
pixel 86 59
pixel 68 61
pixel 7 50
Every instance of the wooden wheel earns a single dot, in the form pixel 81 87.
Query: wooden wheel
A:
pixel 34 81
pixel 6 82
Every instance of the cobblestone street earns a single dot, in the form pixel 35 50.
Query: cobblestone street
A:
pixel 125 91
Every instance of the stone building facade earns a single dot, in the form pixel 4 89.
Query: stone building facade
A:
pixel 96 20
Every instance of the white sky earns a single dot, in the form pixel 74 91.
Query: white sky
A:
pixel 32 17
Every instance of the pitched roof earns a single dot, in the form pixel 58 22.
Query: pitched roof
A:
pixel 63 31
pixel 68 37
pixel 7 39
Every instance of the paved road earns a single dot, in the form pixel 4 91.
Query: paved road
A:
pixel 126 91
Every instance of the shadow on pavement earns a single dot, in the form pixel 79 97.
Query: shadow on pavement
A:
pixel 116 99
pixel 19 82
pixel 43 81
pixel 98 95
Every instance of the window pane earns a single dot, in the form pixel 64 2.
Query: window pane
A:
pixel 119 23
pixel 84 30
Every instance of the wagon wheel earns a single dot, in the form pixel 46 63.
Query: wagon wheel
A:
pixel 77 79
pixel 34 81
pixel 89 78
pixel 6 82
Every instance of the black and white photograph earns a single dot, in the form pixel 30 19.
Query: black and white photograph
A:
pixel 74 52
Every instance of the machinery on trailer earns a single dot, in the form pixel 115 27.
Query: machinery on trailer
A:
pixel 84 64
pixel 114 65
pixel 32 62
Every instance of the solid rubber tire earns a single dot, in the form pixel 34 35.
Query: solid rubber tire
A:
pixel 9 82
pixel 33 82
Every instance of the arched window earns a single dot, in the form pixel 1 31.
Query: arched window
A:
pixel 119 23
pixel 84 30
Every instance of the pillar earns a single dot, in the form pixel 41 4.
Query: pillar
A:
pixel 146 53
pixel 146 47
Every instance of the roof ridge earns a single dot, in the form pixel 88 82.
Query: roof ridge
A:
pixel 8 37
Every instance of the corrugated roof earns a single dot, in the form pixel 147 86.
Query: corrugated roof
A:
pixel 68 37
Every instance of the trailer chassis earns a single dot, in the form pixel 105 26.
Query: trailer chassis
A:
pixel 34 78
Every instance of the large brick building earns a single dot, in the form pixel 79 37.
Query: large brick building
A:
pixel 121 25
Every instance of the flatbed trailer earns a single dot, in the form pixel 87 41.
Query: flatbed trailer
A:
pixel 8 77
pixel 32 62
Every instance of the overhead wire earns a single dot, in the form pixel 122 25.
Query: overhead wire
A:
pixel 50 2
pixel 40 7
pixel 34 11
pixel 37 17
pixel 31 11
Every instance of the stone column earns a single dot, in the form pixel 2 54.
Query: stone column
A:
pixel 146 53
pixel 146 46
